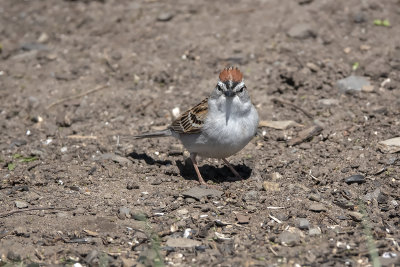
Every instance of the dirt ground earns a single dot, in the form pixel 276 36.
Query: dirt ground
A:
pixel 79 78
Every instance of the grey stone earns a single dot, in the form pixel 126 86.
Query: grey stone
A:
pixel 352 84
pixel 165 16
pixel 33 102
pixel 304 2
pixel 314 231
pixel 62 214
pixel 12 256
pixel 251 196
pixel 79 211
pixel 116 158
pixel 21 204
pixel 124 213
pixel 317 207
pixel 290 239
pixel 355 179
pixel 314 197
pixel 303 223
pixel 372 195
pixel 182 212
pixel 21 231
pixel 382 198
pixel 328 102
pixel 116 55
pixel 378 68
pixel 132 185
pixel 190 200
pixel 359 17
pixel 34 46
pixel 182 243
pixel 356 216
pixel 301 31
pixel 390 145
pixel 18 143
pixel 147 258
pixel 200 192
pixel 390 258
pixel 91 256
pixel 37 152
pixel 155 181
pixel 139 216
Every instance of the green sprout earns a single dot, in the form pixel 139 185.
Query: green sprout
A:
pixel 380 22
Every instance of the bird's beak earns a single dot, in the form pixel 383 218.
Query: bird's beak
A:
pixel 229 93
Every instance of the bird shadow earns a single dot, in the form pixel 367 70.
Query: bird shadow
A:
pixel 210 172
pixel 149 160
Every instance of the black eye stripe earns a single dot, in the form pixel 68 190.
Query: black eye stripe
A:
pixel 241 89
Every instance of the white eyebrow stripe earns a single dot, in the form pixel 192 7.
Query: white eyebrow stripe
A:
pixel 240 85
pixel 222 85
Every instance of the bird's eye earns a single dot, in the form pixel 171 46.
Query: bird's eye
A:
pixel 219 88
pixel 241 89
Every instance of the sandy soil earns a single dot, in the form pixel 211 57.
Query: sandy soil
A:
pixel 79 78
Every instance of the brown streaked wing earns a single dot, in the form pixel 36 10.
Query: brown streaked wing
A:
pixel 192 120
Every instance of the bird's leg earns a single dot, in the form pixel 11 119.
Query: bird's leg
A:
pixel 232 169
pixel 194 161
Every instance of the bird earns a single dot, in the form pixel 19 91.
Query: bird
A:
pixel 219 126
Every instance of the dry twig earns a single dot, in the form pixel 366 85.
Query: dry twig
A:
pixel 6 214
pixel 98 88
pixel 293 105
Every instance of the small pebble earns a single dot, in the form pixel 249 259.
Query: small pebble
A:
pixel 251 196
pixel 21 204
pixel 355 179
pixel 124 213
pixel 317 207
pixel 270 186
pixel 12 256
pixel 382 198
pixel 182 243
pixel 132 185
pixel 314 231
pixel 301 31
pixel 139 216
pixel 242 219
pixel 289 239
pixel 352 84
pixel 303 223
pixel 18 143
pixel 356 216
pixel 314 197
pixel 182 212
pixel 165 16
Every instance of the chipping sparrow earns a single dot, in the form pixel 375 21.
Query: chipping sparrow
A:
pixel 220 125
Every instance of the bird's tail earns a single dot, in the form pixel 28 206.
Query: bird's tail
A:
pixel 163 133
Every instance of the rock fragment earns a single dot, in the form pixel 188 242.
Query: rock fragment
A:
pixel 353 84
pixel 301 31
pixel 289 239
pixel 390 145
pixel 182 243
pixel 355 179
pixel 21 204
pixel 200 192
pixel 317 207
